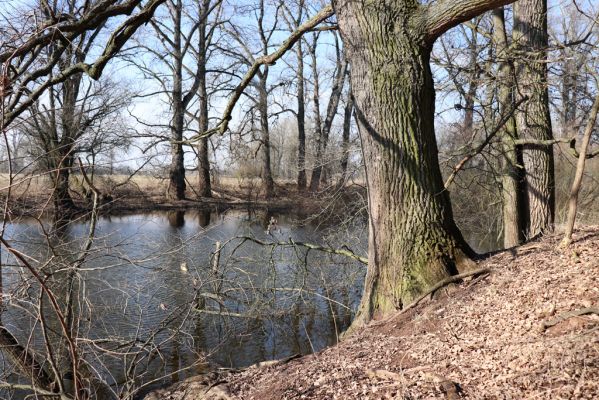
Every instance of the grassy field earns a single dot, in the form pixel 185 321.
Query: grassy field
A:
pixel 40 186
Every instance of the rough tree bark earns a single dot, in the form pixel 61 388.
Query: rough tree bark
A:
pixel 301 107
pixel 347 114
pixel 268 183
pixel 514 213
pixel 534 120
pixel 204 186
pixel 413 239
pixel 63 202
pixel 318 139
pixel 301 120
pixel 176 187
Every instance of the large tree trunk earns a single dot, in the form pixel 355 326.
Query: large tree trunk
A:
pixel 301 119
pixel 204 186
pixel 63 202
pixel 62 148
pixel 413 240
pixel 318 139
pixel 176 187
pixel 534 120
pixel 514 213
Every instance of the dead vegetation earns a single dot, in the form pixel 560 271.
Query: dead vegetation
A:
pixel 31 195
pixel 529 329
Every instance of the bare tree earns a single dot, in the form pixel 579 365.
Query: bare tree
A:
pixel 294 23
pixel 265 30
pixel 74 108
pixel 32 35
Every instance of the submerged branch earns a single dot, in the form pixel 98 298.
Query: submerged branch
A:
pixel 291 243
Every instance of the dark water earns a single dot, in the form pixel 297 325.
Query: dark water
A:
pixel 149 300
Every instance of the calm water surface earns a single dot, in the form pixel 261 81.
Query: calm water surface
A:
pixel 151 301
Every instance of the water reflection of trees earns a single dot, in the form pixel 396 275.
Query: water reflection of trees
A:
pixel 150 302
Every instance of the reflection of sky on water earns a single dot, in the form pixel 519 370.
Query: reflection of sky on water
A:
pixel 145 270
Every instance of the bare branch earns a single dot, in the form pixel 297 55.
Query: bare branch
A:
pixel 269 59
pixel 440 16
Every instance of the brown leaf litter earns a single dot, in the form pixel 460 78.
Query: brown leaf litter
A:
pixel 528 330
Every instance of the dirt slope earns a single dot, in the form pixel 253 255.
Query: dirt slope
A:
pixel 486 339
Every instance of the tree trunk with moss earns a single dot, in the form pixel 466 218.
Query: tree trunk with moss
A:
pixel 534 119
pixel 413 239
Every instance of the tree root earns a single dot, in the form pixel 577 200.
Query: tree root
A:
pixel 433 289
pixel 569 314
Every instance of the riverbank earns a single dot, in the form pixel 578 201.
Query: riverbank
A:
pixel 31 196
pixel 529 329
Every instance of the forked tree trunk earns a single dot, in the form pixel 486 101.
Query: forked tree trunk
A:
pixel 534 120
pixel 413 240
pixel 318 172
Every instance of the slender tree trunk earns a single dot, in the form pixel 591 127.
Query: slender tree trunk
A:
pixel 534 120
pixel 314 184
pixel 325 130
pixel 268 183
pixel 349 108
pixel 577 184
pixel 301 119
pixel 413 240
pixel 470 94
pixel 204 186
pixel 514 213
pixel 176 188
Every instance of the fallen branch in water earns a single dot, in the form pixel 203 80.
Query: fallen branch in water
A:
pixel 342 252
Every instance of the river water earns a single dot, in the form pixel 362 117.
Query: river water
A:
pixel 152 301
